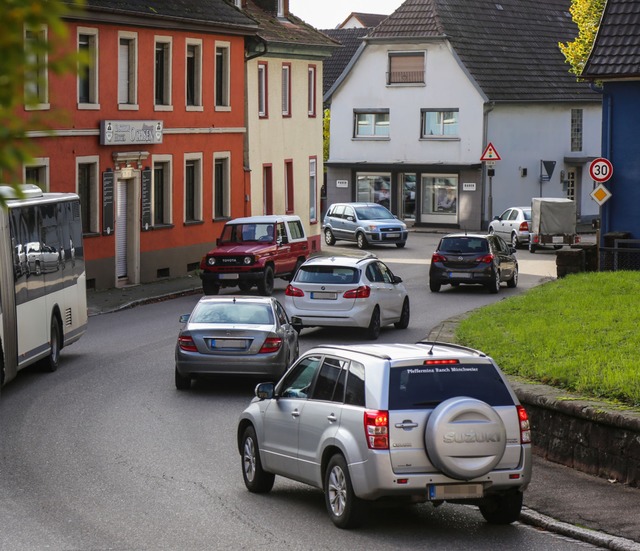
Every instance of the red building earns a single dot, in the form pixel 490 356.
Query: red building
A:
pixel 151 136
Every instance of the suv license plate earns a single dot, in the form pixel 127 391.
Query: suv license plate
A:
pixel 228 276
pixel 319 295
pixel 454 491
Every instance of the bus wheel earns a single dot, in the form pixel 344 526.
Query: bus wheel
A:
pixel 50 363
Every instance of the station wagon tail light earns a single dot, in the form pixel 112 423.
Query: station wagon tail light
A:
pixel 364 291
pixel 271 344
pixel 292 291
pixel 186 343
pixel 486 259
pixel 376 429
pixel 437 257
pixel 525 427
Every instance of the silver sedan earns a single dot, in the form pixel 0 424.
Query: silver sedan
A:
pixel 235 335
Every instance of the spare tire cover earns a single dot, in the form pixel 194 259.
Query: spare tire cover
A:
pixel 465 438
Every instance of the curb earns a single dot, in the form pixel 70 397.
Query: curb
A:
pixel 146 300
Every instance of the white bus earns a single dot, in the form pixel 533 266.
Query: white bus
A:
pixel 43 295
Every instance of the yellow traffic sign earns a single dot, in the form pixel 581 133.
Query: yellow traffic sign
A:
pixel 601 195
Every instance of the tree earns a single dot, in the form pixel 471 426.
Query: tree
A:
pixel 21 62
pixel 326 122
pixel 586 14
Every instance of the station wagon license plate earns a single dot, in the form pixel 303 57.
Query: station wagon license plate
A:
pixel 322 295
pixel 454 491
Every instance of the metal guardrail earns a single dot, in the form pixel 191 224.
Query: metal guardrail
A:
pixel 624 255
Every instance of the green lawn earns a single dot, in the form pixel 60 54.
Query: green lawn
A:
pixel 580 333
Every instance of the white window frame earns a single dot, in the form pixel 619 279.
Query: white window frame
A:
pixel 442 135
pixel 225 157
pixel 94 197
pixel 312 82
pixel 224 103
pixel 286 89
pixel 40 163
pixel 168 74
pixel 92 70
pixel 263 93
pixel 197 77
pixel 132 72
pixel 36 87
pixel 167 195
pixel 197 187
pixel 577 129
pixel 377 126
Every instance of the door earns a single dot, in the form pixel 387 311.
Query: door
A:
pixel 121 229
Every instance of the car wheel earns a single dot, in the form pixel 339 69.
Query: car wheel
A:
pixel 256 479
pixel 514 241
pixel 329 238
pixel 362 241
pixel 210 288
pixel 403 323
pixel 513 282
pixel 245 286
pixel 183 382
pixel 491 231
pixel 51 362
pixel 434 286
pixel 299 263
pixel 265 285
pixel 532 248
pixel 345 508
pixel 557 247
pixel 502 509
pixel 373 331
pixel 400 245
pixel 494 285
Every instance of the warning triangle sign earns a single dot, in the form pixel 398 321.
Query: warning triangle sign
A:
pixel 490 154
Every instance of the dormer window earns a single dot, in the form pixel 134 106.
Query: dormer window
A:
pixel 406 68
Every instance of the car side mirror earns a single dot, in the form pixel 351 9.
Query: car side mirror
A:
pixel 184 318
pixel 350 218
pixel 512 250
pixel 497 218
pixel 397 279
pixel 265 391
pixel 279 241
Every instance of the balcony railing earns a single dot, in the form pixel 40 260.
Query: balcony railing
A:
pixel 405 77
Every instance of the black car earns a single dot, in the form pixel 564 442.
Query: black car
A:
pixel 473 259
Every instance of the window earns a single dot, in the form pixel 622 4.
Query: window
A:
pixel 36 88
pixel 298 382
pixel 288 186
pixel 313 190
pixel 371 124
pixel 262 91
pixel 163 72
pixel 38 173
pixel 280 12
pixel 406 68
pixel 439 123
pixel 127 71
pixel 576 130
pixel 330 382
pixel 87 188
pixel 193 188
pixel 194 75
pixel 221 186
pixel 439 194
pixel 312 91
pixel 355 394
pixel 374 188
pixel 286 89
pixel 161 205
pixel 267 186
pixel 222 75
pixel 88 74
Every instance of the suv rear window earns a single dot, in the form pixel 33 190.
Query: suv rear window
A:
pixel 327 274
pixel 425 386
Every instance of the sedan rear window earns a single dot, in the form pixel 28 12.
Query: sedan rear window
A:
pixel 464 244
pixel 232 312
pixel 425 386
pixel 327 274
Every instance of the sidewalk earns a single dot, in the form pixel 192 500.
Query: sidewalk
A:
pixel 559 499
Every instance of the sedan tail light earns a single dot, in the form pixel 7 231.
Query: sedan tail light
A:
pixel 185 342
pixel 292 291
pixel 524 226
pixel 525 427
pixel 376 429
pixel 271 344
pixel 364 291
pixel 486 259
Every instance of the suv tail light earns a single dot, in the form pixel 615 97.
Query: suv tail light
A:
pixel 525 427
pixel 524 226
pixel 486 259
pixel 271 344
pixel 437 257
pixel 364 291
pixel 292 291
pixel 376 429
pixel 186 343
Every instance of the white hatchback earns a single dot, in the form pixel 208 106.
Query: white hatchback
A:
pixel 344 291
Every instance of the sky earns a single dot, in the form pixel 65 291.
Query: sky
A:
pixel 328 14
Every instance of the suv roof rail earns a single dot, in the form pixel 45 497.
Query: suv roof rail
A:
pixel 359 350
pixel 452 345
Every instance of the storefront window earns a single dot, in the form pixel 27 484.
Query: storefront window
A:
pixel 408 196
pixel 374 188
pixel 439 195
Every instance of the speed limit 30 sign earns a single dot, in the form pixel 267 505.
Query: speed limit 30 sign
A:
pixel 601 169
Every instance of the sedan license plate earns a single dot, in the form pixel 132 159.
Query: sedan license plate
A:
pixel 227 343
pixel 320 295
pixel 228 276
pixel 454 491
pixel 460 275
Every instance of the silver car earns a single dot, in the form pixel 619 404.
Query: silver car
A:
pixel 429 422
pixel 235 335
pixel 513 225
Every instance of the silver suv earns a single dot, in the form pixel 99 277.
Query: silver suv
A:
pixel 426 422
